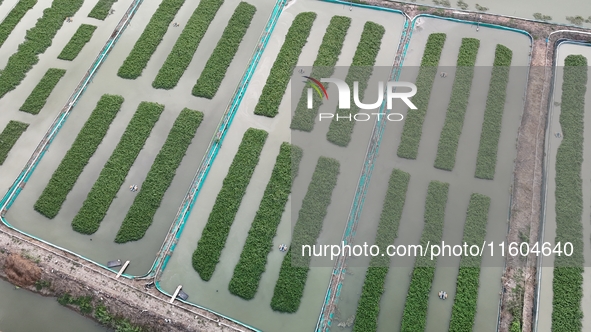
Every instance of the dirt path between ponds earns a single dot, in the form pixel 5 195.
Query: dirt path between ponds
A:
pixel 123 297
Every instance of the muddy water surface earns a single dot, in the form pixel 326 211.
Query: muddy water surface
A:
pixel 23 311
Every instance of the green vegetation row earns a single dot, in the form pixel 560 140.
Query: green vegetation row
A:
pixel 38 97
pixel 146 45
pixel 88 305
pixel 414 317
pixel 214 236
pixel 67 173
pixel 11 133
pixel 15 16
pixel 568 271
pixel 368 309
pixel 101 10
pixel 216 67
pixel 75 45
pixel 328 54
pixel 37 40
pixel 458 103
pixel 104 190
pixel 141 213
pixel 486 162
pixel 183 50
pixel 466 299
pixel 293 275
pixel 281 72
pixel 253 259
pixel 413 122
pixel 339 131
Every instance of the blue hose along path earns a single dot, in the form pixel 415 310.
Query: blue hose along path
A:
pixel 335 284
pixel 39 152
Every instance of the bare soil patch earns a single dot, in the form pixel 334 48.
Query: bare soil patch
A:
pixel 21 271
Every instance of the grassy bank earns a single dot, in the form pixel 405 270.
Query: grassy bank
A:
pixel 87 142
pixel 413 122
pixel 111 178
pixel 567 285
pixel 468 281
pixel 37 40
pixel 141 213
pixel 15 16
pixel 276 85
pixel 458 104
pixel 214 235
pixel 326 59
pixel 368 308
pixel 11 133
pixel 339 131
pixel 216 67
pixel 146 45
pixel 183 50
pixel 414 317
pixel 38 97
pixel 293 275
pixel 75 45
pixel 253 259
pixel 100 11
pixel 486 162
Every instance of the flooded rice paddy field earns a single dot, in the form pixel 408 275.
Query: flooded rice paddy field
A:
pixel 100 246
pixel 461 179
pixel 549 235
pixel 18 306
pixel 214 294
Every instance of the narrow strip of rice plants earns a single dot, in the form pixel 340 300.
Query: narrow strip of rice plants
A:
pixel 466 299
pixel 296 38
pixel 38 97
pixel 486 162
pixel 141 213
pixel 413 121
pixel 328 54
pixel 15 16
pixel 37 40
pixel 414 317
pixel 216 67
pixel 146 45
pixel 75 45
pixel 101 10
pixel 340 128
pixel 89 138
pixel 104 190
pixel 214 236
pixel 293 275
pixel 253 259
pixel 567 285
pixel 458 103
pixel 11 133
pixel 368 309
pixel 183 50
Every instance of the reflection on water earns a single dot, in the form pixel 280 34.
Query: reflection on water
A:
pixel 557 10
pixel 23 311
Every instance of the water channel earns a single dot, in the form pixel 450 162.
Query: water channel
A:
pixel 23 311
